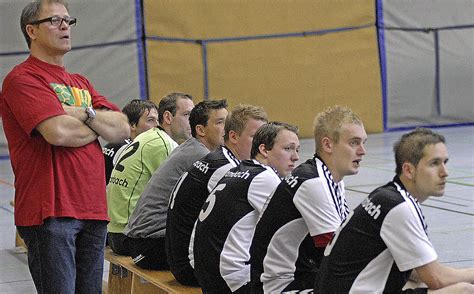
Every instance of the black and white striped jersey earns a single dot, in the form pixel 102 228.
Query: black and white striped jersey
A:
pixel 226 225
pixel 378 245
pixel 306 203
pixel 186 200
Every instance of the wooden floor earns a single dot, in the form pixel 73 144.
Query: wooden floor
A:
pixel 450 218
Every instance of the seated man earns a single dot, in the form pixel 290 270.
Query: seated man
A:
pixel 173 115
pixel 135 167
pixel 307 207
pixel 384 239
pixel 146 227
pixel 224 229
pixel 195 185
pixel 142 115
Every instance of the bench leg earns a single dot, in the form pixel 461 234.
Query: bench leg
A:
pixel 141 286
pixel 120 280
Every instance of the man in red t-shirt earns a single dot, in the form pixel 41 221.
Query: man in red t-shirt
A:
pixel 52 120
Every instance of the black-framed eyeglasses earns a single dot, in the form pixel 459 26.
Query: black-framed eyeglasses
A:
pixel 57 21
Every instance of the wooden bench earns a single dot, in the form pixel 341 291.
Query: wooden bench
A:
pixel 126 277
pixel 20 245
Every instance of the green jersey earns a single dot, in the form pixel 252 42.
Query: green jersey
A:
pixel 134 167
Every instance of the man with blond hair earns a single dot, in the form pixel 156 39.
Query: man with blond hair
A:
pixel 307 207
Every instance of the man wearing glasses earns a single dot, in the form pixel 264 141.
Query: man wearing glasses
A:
pixel 52 120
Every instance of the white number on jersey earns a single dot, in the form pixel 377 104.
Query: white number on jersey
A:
pixel 176 189
pixel 211 200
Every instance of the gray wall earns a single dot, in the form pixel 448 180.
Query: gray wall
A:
pixel 412 93
pixel 112 69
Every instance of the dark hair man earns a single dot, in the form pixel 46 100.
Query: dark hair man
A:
pixel 194 186
pixel 383 243
pixel 146 227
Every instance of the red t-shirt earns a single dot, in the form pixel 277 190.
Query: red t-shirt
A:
pixel 51 181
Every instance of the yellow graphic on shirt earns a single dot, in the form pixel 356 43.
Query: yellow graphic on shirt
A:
pixel 72 96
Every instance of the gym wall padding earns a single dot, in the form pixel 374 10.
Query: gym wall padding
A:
pixel 429 62
pixel 255 52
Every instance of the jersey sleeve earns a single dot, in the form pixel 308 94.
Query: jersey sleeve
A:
pixel 261 188
pixel 406 239
pixel 316 206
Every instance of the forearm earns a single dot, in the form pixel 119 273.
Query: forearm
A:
pixel 67 131
pixel 436 275
pixel 82 135
pixel 112 126
pixel 457 275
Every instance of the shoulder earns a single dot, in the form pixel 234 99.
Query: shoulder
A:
pixel 387 195
pixel 301 174
pixel 306 170
pixel 20 74
pixel 155 137
pixel 266 178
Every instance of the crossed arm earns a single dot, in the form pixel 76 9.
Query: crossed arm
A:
pixel 69 130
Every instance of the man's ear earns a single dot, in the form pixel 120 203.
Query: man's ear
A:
pixel 167 117
pixel 263 150
pixel 233 137
pixel 200 131
pixel 31 31
pixel 408 169
pixel 326 145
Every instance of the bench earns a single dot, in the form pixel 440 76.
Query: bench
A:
pixel 20 245
pixel 126 277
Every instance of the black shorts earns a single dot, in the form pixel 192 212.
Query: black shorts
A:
pixel 149 253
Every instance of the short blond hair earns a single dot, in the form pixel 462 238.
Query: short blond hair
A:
pixel 329 123
pixel 237 120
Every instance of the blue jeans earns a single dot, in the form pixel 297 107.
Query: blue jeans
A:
pixel 66 255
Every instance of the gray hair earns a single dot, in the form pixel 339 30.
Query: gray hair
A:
pixel 31 13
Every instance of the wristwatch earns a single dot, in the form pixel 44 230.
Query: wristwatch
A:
pixel 90 115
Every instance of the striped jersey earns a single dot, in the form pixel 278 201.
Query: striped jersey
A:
pixel 378 245
pixel 306 203
pixel 226 225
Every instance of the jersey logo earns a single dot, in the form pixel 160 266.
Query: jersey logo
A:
pixel 72 96
pixel 203 167
pixel 243 175
pixel 110 152
pixel 372 210
pixel 119 181
pixel 291 180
